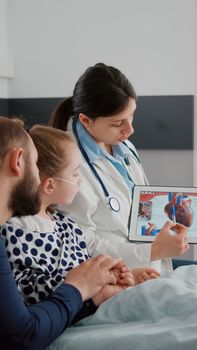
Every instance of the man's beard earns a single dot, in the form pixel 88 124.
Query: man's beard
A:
pixel 25 198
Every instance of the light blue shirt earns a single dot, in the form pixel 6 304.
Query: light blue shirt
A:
pixel 94 152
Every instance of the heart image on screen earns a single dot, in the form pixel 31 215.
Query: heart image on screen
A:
pixel 179 209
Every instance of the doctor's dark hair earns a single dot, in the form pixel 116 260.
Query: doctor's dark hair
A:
pixel 101 91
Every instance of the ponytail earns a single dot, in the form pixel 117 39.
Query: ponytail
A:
pixel 61 115
pixel 101 91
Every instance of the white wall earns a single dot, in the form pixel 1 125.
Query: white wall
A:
pixel 6 62
pixel 152 41
pixel 3 48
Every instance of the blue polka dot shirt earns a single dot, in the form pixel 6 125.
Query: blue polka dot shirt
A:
pixel 42 251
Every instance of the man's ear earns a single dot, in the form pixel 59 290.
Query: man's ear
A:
pixel 16 161
pixel 85 120
pixel 48 185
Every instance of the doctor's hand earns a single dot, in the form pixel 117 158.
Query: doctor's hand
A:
pixel 167 244
pixel 92 275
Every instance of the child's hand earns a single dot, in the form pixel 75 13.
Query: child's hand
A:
pixel 144 274
pixel 124 278
pixel 124 275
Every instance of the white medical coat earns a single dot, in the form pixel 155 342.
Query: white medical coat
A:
pixel 106 231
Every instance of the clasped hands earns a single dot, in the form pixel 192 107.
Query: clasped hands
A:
pixel 102 277
pixel 125 277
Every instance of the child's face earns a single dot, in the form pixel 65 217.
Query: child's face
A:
pixel 67 190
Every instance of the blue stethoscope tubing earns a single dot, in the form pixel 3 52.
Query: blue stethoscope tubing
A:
pixel 112 202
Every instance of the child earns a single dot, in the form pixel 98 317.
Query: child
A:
pixel 43 247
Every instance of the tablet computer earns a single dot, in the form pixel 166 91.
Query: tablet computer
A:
pixel 152 206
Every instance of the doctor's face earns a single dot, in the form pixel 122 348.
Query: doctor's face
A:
pixel 113 129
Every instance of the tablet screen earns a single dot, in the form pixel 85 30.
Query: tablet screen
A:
pixel 153 206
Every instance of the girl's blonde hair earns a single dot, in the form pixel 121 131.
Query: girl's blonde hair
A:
pixel 53 147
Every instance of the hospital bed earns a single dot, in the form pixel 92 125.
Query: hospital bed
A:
pixel 156 315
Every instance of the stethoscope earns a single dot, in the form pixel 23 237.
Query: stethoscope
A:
pixel 112 202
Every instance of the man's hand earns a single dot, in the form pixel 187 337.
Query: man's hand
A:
pixel 107 292
pixel 167 245
pixel 92 275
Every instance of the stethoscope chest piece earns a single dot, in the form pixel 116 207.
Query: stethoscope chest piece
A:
pixel 114 204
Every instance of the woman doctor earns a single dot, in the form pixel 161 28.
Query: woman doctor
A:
pixel 100 115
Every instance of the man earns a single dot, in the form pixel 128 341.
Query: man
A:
pixel 36 326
